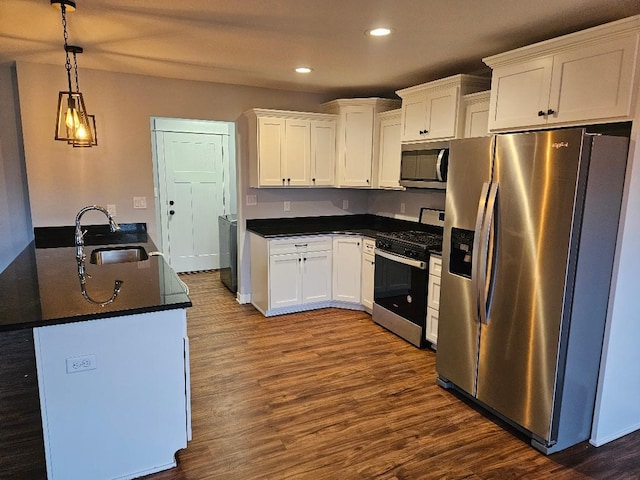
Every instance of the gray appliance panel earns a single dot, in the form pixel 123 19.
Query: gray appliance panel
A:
pixel 534 265
pixel 458 327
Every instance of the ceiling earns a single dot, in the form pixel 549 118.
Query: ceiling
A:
pixel 260 42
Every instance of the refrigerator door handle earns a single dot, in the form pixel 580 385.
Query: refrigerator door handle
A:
pixel 475 263
pixel 483 266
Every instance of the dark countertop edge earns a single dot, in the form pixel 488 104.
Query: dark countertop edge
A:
pixel 364 233
pixel 92 317
pixel 367 224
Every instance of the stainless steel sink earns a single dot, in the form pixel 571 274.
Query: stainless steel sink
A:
pixel 105 255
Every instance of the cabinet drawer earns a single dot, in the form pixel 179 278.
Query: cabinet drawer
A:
pixel 285 245
pixel 435 266
pixel 368 246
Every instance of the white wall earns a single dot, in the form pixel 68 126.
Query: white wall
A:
pixel 15 219
pixel 617 409
pixel 63 179
pixel 389 202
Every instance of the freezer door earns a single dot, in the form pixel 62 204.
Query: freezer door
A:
pixel 537 177
pixel 458 327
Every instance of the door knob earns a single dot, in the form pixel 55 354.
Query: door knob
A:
pixel 171 202
pixel 171 212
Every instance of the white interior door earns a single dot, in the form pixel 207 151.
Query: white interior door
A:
pixel 193 182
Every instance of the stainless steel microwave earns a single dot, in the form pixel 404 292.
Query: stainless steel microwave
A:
pixel 424 165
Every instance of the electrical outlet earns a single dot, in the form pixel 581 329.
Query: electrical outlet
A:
pixel 345 204
pixel 402 208
pixel 111 209
pixel 287 206
pixel 80 364
pixel 251 200
pixel 139 202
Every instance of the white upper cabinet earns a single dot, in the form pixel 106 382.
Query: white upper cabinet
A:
pixel 389 153
pixel 476 114
pixel 585 77
pixel 323 152
pixel 291 149
pixel 432 111
pixel 357 139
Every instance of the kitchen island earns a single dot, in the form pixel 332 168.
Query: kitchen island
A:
pixel 112 368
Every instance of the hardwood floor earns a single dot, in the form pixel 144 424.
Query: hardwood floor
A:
pixel 329 394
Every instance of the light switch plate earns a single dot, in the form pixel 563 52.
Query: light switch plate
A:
pixel 251 200
pixel 345 204
pixel 402 208
pixel 139 202
pixel 287 206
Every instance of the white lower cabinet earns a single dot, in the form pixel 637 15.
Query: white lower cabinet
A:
pixel 290 274
pixel 114 395
pixel 347 268
pixel 433 299
pixel 368 273
pixel 284 280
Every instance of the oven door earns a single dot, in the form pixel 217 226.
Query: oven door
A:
pixel 401 286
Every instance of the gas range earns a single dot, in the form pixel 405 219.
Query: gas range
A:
pixel 415 244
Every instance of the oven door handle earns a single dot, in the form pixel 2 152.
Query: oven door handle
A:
pixel 404 260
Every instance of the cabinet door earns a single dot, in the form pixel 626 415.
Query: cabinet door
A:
pixel 296 158
pixel 323 153
pixel 271 133
pixel 316 276
pixel 433 290
pixel 357 151
pixel 284 280
pixel 431 330
pixel 347 259
pixel 519 93
pixel 390 153
pixel 368 270
pixel 593 83
pixel 441 113
pixel 476 122
pixel 414 110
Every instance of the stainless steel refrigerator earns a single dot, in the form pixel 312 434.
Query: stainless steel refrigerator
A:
pixel 531 223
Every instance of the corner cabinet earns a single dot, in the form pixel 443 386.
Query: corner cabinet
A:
pixel 291 149
pixel 357 139
pixel 585 77
pixel 433 111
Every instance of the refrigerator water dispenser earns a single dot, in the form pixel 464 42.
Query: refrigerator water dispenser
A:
pixel 461 252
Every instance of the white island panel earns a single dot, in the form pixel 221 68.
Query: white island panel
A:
pixel 114 395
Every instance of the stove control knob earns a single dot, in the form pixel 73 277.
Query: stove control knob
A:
pixel 409 253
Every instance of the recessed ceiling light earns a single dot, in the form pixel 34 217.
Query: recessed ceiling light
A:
pixel 379 32
pixel 303 70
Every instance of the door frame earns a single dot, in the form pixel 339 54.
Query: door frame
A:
pixel 181 125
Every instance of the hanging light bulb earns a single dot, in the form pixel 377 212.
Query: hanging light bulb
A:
pixel 73 124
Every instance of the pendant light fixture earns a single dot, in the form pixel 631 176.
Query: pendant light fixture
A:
pixel 73 124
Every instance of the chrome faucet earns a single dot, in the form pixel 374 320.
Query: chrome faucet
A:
pixel 80 234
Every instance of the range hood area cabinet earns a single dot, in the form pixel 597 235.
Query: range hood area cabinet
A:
pixel 357 139
pixel 582 78
pixel 291 149
pixel 434 110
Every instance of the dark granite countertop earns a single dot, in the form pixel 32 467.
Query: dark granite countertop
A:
pixel 42 286
pixel 361 224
